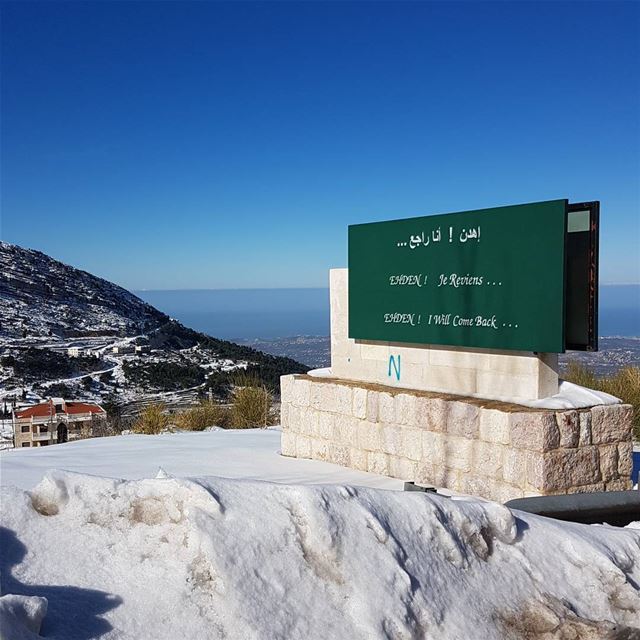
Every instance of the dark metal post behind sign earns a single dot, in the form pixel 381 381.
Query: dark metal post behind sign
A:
pixel 581 279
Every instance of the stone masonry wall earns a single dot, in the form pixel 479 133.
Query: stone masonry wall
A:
pixel 486 448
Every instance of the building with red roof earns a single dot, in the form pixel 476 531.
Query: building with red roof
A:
pixel 55 421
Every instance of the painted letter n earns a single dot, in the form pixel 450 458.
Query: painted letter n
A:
pixel 395 364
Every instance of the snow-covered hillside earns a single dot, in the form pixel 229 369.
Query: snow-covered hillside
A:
pixel 41 296
pixel 65 332
pixel 210 557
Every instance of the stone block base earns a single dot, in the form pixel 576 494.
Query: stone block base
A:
pixel 486 448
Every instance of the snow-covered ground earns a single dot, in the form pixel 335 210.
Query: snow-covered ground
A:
pixel 234 453
pixel 202 557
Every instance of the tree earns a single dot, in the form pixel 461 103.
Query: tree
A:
pixel 114 422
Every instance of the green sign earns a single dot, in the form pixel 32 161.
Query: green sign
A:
pixel 491 278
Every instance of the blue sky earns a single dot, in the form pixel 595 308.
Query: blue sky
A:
pixel 221 145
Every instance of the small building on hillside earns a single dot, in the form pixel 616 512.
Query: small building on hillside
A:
pixel 55 421
pixel 123 349
pixel 86 352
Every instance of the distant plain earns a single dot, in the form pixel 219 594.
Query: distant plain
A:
pixel 295 322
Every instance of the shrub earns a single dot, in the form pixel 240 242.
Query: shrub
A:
pixel 41 364
pixel 7 361
pixel 34 364
pixel 206 414
pixel 579 374
pixel 59 390
pixel 220 384
pixel 152 419
pixel 103 428
pixel 251 406
pixel 624 384
pixel 115 422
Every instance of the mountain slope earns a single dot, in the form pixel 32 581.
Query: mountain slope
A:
pixel 124 348
pixel 41 296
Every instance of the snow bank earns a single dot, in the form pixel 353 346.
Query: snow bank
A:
pixel 219 558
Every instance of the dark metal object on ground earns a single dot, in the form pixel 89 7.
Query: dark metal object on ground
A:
pixel 412 486
pixel 617 508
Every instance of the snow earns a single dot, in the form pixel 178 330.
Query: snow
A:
pixel 236 453
pixel 325 372
pixel 317 552
pixel 574 396
pixel 569 396
pixel 226 558
pixel 21 616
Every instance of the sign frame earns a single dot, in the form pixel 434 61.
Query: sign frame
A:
pixel 552 220
pixel 588 254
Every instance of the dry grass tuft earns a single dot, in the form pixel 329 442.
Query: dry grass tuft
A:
pixel 252 404
pixel 206 414
pixel 152 419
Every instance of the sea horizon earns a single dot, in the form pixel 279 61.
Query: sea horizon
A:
pixel 279 312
